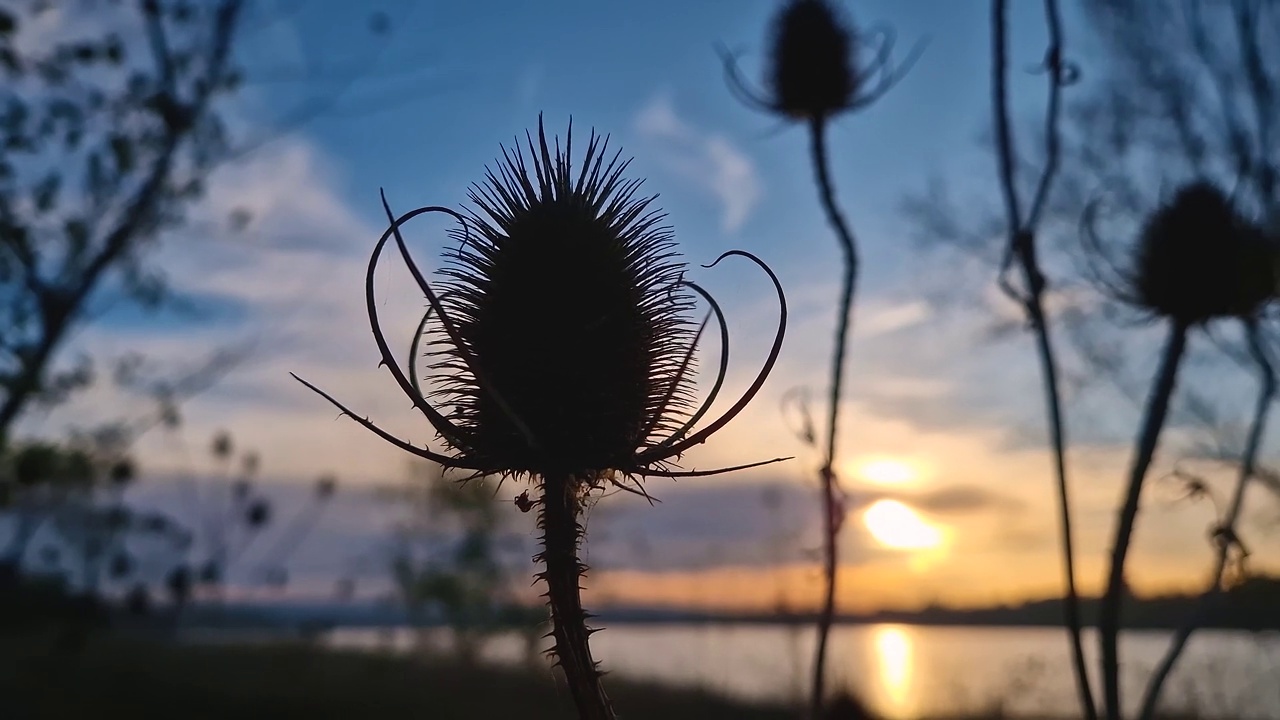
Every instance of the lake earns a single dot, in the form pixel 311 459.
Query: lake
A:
pixel 906 671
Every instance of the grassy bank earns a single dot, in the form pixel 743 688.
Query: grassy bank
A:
pixel 116 677
pixel 113 676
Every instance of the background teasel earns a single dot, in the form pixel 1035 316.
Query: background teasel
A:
pixel 816 70
pixel 1196 260
pixel 564 352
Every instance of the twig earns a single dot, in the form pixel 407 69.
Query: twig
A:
pixel 1022 247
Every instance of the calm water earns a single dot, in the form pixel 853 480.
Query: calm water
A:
pixel 905 671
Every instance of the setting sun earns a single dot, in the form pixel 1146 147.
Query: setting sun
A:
pixel 887 471
pixel 897 526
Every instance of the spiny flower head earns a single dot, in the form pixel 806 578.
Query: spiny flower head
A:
pixel 559 336
pixel 1197 259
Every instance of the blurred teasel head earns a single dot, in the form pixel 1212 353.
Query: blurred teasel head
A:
pixel 1197 259
pixel 816 67
pixel 560 339
pixel 258 514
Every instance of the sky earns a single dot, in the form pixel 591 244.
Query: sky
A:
pixel 942 450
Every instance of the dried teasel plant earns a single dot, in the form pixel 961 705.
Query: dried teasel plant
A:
pixel 818 68
pixel 1021 278
pixel 1197 261
pixel 563 353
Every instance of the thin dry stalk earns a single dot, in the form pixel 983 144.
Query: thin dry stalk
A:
pixel 1022 248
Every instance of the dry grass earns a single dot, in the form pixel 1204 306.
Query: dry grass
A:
pixel 117 677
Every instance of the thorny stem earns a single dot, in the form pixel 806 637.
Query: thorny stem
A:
pixel 561 533
pixel 1226 531
pixel 830 483
pixel 1022 247
pixel 1157 409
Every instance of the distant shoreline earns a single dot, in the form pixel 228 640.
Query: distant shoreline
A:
pixel 1250 606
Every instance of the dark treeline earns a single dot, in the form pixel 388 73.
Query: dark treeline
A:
pixel 1251 605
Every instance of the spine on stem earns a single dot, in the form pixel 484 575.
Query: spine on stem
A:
pixel 561 534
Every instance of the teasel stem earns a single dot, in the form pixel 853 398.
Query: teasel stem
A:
pixel 1022 249
pixel 1226 531
pixel 1157 410
pixel 561 534
pixel 830 482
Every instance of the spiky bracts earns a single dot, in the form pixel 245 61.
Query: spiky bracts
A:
pixel 561 505
pixel 565 292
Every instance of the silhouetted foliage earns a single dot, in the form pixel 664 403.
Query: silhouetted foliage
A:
pixel 106 131
pixel 446 565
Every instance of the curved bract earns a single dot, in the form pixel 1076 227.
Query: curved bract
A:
pixel 559 337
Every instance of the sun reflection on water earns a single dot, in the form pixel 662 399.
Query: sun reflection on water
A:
pixel 893 650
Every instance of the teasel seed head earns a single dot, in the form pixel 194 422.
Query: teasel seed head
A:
pixel 811 68
pixel 559 335
pixel 1197 259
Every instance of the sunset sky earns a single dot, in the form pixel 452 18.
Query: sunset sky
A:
pixel 951 495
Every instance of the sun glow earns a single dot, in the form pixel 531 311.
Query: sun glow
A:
pixel 887 471
pixel 897 526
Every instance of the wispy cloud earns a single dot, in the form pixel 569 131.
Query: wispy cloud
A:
pixel 295 274
pixel 884 319
pixel 703 158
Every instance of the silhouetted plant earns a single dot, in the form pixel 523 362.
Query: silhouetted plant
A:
pixel 1022 221
pixel 104 144
pixel 447 556
pixel 1196 261
pixel 816 72
pixel 566 353
pixel 464 583
pixel 1181 90
pixel 299 528
pixel 229 514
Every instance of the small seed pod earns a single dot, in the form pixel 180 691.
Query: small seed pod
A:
pixel 563 350
pixel 122 472
pixel 258 514
pixel 1198 260
pixel 326 486
pixel 811 70
pixel 222 445
pixel 121 566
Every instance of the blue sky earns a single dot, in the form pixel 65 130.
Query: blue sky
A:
pixel 421 109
